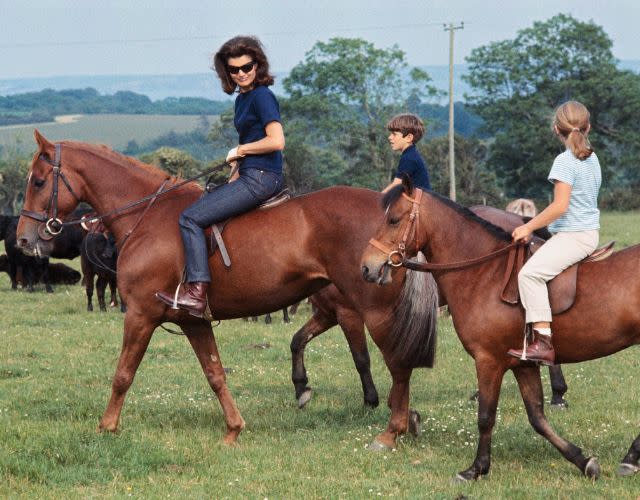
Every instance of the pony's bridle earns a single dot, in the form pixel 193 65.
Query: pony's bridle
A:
pixel 51 224
pixel 396 257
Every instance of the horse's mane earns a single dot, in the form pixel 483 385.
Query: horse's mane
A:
pixel 494 230
pixel 106 153
pixel 395 193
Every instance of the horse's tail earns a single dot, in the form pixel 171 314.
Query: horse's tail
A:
pixel 413 335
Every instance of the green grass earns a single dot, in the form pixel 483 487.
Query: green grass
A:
pixel 113 130
pixel 57 361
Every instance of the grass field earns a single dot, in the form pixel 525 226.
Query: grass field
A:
pixel 113 130
pixel 56 364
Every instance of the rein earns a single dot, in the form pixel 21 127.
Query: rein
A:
pixel 516 250
pixel 54 226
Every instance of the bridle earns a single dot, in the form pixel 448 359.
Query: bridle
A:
pixel 51 224
pixel 396 257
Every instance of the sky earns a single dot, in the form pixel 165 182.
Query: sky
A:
pixel 43 38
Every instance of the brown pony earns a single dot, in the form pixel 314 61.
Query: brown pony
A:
pixel 331 308
pixel 272 266
pixel 604 319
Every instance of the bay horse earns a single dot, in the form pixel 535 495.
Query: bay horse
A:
pixel 604 319
pixel 274 267
pixel 331 308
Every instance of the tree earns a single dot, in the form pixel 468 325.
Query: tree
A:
pixel 174 161
pixel 13 176
pixel 518 83
pixel 475 183
pixel 340 98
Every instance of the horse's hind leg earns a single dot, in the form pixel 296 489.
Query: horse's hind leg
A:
pixel 317 324
pixel 558 386
pixel 137 333
pixel 204 345
pixel 353 328
pixel 629 464
pixel 530 385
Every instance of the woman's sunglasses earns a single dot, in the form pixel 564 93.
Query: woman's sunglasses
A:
pixel 245 68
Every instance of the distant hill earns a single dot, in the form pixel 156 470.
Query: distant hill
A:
pixel 206 85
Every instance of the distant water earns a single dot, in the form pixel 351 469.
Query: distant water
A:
pixel 206 85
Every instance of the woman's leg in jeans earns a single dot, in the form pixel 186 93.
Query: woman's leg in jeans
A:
pixel 224 202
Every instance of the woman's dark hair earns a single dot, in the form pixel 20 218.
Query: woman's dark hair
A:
pixel 236 47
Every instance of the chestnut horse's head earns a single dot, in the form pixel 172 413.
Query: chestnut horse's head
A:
pixel 396 237
pixel 48 198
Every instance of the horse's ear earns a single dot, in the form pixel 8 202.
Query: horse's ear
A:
pixel 41 140
pixel 407 184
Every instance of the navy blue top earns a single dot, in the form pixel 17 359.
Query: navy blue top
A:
pixel 253 111
pixel 412 163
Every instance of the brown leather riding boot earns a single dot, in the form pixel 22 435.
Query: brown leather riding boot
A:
pixel 540 350
pixel 192 297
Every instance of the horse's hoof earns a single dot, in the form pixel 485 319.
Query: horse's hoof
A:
pixel 559 405
pixel 304 398
pixel 464 477
pixel 372 402
pixel 592 469
pixel 378 446
pixel 627 469
pixel 414 423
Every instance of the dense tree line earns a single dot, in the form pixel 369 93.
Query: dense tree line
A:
pixel 43 106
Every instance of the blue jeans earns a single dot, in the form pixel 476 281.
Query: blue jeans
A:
pixel 228 200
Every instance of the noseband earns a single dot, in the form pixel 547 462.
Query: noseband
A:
pixel 395 258
pixel 51 224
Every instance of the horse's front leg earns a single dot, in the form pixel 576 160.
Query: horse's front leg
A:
pixel 202 340
pixel 137 334
pixel 490 374
pixel 399 405
pixel 528 378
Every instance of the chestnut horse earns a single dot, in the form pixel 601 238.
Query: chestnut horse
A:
pixel 273 266
pixel 604 319
pixel 330 308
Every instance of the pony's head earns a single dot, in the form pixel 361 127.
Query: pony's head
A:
pixel 396 236
pixel 48 199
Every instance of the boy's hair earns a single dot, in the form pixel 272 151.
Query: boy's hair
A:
pixel 407 123
pixel 572 121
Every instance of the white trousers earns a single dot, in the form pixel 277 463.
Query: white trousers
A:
pixel 558 253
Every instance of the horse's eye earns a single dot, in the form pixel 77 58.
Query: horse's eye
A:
pixel 38 183
pixel 394 221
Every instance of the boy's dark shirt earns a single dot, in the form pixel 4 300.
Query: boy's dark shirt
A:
pixel 412 164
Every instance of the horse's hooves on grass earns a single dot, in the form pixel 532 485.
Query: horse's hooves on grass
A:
pixel 627 469
pixel 372 402
pixel 414 423
pixel 304 398
pixel 559 405
pixel 377 446
pixel 592 469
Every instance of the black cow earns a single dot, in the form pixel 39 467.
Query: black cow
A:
pixel 58 273
pixel 32 269
pixel 98 257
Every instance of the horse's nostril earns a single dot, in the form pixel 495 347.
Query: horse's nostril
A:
pixel 365 271
pixel 22 242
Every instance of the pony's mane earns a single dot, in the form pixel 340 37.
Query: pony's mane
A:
pixel 494 230
pixel 106 153
pixel 395 193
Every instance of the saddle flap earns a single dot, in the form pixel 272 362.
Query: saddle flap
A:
pixel 561 289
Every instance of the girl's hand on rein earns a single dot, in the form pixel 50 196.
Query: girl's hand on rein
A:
pixel 522 233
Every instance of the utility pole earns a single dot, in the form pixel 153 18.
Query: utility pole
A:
pixel 452 168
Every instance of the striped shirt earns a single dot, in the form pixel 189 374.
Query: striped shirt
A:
pixel 584 177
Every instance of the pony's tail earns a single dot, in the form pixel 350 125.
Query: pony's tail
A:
pixel 413 335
